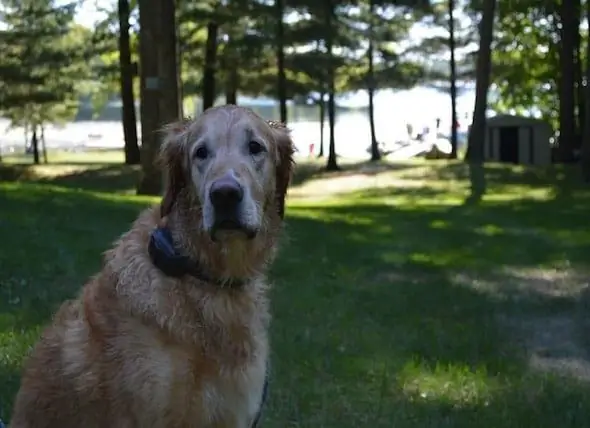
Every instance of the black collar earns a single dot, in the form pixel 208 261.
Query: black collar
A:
pixel 172 263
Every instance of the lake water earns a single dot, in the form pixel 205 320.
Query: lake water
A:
pixel 393 111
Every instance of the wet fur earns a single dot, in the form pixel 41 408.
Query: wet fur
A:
pixel 140 349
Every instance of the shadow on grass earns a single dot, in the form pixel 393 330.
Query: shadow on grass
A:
pixel 97 177
pixel 562 178
pixel 105 178
pixel 119 177
pixel 51 243
pixel 305 171
pixel 371 326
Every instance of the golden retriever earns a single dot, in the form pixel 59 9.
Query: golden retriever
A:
pixel 173 330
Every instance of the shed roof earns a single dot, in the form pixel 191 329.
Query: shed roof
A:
pixel 513 120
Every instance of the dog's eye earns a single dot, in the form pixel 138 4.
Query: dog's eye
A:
pixel 255 147
pixel 201 153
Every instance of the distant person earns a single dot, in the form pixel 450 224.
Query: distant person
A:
pixel 410 130
pixel 437 123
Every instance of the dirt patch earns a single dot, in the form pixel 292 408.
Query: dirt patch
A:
pixel 552 344
pixel 332 186
pixel 525 283
pixel 38 172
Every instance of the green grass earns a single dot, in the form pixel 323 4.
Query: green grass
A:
pixel 388 296
pixel 57 156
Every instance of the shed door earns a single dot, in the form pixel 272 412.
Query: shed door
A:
pixel 509 144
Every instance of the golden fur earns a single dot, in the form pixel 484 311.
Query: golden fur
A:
pixel 140 349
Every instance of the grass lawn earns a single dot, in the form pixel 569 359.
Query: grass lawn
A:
pixel 58 156
pixel 396 304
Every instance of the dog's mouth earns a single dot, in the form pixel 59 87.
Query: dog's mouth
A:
pixel 231 227
pixel 228 224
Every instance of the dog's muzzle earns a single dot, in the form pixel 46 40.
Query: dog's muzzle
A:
pixel 226 195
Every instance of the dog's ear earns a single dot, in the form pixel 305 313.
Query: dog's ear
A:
pixel 171 161
pixel 284 162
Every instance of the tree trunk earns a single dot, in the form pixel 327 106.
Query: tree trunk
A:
pixel 149 16
pixel 332 164
pixel 453 79
pixel 208 86
pixel 579 76
pixel 231 94
pixel 231 83
pixel 179 52
pixel 35 146
pixel 168 64
pixel 44 145
pixel 26 132
pixel 565 149
pixel 132 156
pixel 281 77
pixel 586 140
pixel 476 140
pixel 322 105
pixel 375 153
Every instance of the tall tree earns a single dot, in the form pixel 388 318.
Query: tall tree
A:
pixel 132 154
pixel 280 47
pixel 453 79
pixel 210 65
pixel 567 101
pixel 475 144
pixel 149 14
pixel 476 138
pixel 383 25
pixel 44 59
pixel 170 103
pixel 375 152
pixel 159 83
pixel 322 112
pixel 585 152
pixel 329 15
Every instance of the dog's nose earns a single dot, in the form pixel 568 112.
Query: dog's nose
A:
pixel 226 193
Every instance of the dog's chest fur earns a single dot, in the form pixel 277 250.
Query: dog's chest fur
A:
pixel 176 385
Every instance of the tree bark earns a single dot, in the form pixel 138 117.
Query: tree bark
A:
pixel 35 146
pixel 179 52
pixel 168 64
pixel 476 140
pixel 375 153
pixel 159 83
pixel 149 14
pixel 129 119
pixel 579 78
pixel 322 106
pixel 208 86
pixel 44 145
pixel 453 79
pixel 567 130
pixel 231 84
pixel 585 154
pixel 281 77
pixel 332 164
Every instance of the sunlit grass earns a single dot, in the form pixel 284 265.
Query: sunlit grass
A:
pixel 458 385
pixel 55 156
pixel 386 296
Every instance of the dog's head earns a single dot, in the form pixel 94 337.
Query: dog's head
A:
pixel 233 165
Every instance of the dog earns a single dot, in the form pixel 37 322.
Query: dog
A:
pixel 173 330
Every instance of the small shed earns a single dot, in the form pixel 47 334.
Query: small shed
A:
pixel 518 140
